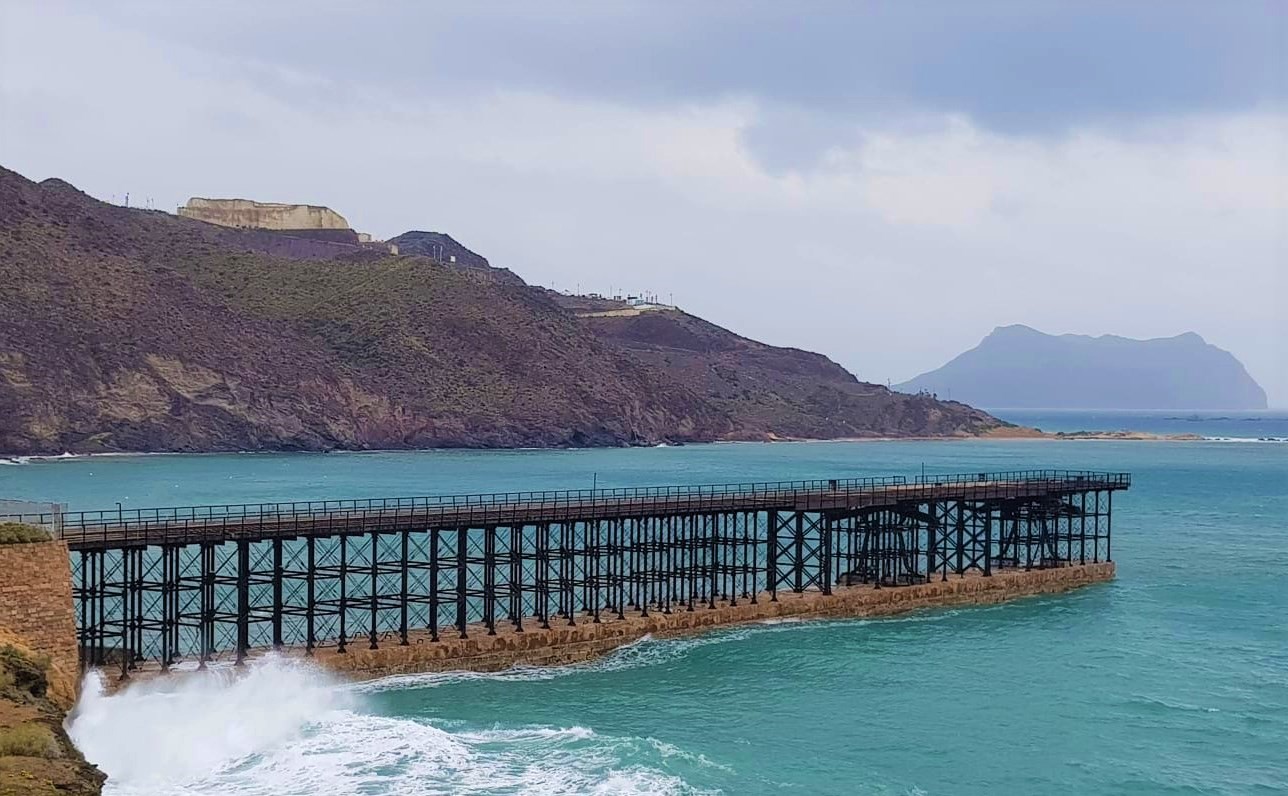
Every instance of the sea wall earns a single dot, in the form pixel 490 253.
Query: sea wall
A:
pixel 36 608
pixel 38 675
pixel 586 640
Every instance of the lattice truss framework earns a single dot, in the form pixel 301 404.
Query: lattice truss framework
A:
pixel 212 600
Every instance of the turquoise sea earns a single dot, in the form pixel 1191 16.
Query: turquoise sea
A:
pixel 1266 426
pixel 1172 679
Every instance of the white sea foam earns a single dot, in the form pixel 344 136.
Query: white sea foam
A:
pixel 181 729
pixel 284 727
pixel 1245 439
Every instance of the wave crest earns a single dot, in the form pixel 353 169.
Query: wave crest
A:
pixel 281 726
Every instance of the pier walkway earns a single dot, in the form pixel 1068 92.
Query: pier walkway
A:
pixel 168 584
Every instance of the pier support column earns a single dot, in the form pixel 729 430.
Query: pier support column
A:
pixel 243 600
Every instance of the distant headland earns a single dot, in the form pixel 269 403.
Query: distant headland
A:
pixel 1018 367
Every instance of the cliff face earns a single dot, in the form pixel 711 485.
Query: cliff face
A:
pixel 262 215
pixel 36 756
pixel 1018 367
pixel 128 330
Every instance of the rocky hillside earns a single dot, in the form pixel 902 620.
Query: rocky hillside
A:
pixel 140 331
pixel 446 249
pixel 129 330
pixel 771 392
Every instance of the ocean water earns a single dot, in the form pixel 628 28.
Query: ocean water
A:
pixel 1270 425
pixel 1171 679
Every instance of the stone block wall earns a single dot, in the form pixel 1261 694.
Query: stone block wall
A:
pixel 562 644
pixel 36 609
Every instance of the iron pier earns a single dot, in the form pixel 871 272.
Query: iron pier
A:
pixel 204 583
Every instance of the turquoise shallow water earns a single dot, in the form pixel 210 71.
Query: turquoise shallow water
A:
pixel 1172 679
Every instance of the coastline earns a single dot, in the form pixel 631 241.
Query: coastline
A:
pixel 995 435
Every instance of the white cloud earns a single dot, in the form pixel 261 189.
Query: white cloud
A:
pixel 899 248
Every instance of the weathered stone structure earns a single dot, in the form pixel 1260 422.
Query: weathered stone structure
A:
pixel 248 214
pixel 36 608
pixel 587 640
pixel 564 645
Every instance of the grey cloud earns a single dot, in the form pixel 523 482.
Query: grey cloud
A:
pixel 1015 66
pixel 820 68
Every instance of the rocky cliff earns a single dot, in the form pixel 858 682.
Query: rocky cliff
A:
pixel 36 756
pixel 262 215
pixel 128 330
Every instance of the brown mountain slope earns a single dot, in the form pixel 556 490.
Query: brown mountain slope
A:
pixel 140 331
pixel 780 392
pixel 130 330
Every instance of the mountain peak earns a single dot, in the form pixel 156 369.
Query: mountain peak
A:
pixel 1014 330
pixel 1017 367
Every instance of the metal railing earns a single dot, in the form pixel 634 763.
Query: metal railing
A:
pixel 160 525
pixel 1110 480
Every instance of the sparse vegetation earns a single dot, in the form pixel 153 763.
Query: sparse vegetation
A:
pixel 21 533
pixel 29 740
pixel 36 756
pixel 22 674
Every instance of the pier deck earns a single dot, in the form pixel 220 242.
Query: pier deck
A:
pixel 169 584
pixel 92 530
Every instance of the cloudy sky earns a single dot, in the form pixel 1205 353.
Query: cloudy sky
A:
pixel 882 182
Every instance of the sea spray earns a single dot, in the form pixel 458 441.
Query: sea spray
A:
pixel 281 726
pixel 174 730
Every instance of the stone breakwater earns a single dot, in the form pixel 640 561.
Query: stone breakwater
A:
pixel 587 640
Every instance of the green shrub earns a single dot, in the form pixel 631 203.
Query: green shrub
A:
pixel 25 673
pixel 21 533
pixel 29 740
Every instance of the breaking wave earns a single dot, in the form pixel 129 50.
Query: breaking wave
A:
pixel 284 727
